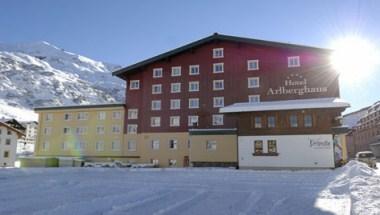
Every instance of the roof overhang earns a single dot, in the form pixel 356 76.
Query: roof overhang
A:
pixel 318 103
pixel 18 132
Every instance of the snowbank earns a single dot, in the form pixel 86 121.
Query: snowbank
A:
pixel 361 184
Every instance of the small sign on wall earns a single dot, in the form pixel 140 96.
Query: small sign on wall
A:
pixel 319 143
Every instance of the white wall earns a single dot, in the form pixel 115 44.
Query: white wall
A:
pixel 294 151
pixel 11 148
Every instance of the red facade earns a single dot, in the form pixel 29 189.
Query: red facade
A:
pixel 273 72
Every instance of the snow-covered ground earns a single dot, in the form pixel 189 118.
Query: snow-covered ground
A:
pixel 353 189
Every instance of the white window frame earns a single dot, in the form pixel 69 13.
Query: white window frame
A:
pixel 153 105
pixel 69 118
pixel 215 103
pixel 249 62
pixel 156 86
pixel 215 52
pixel 99 146
pixel 193 83
pixel 254 98
pixel 68 130
pixel 82 116
pixel 215 65
pixel 47 131
pixel 175 101
pixel 132 145
pixel 134 84
pixel 250 83
pixel 100 129
pixel 216 121
pixel 291 59
pixel 190 102
pixel 81 130
pixel 64 146
pixel 132 128
pixel 155 144
pixel 194 66
pixel 116 129
pixel 115 145
pixel 102 115
pixel 174 68
pixel 155 121
pixel 172 87
pixel 49 117
pixel 191 121
pixel 214 84
pixel 175 144
pixel 211 145
pixel 172 163
pixel 116 115
pixel 173 119
pixel 133 113
pixel 157 70
pixel 45 146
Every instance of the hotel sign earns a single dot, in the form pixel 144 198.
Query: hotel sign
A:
pixel 295 84
pixel 320 144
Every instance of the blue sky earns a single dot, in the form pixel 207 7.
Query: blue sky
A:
pixel 124 32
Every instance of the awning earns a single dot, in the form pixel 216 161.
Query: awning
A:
pixel 297 104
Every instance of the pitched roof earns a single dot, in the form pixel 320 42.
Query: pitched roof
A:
pixel 214 37
pixel 20 133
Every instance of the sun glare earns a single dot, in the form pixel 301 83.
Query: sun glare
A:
pixel 354 58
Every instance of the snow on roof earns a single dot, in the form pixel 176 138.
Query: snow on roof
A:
pixel 286 105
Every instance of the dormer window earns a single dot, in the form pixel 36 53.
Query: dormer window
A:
pixel 217 53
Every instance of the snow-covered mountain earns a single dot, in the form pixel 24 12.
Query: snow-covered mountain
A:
pixel 40 74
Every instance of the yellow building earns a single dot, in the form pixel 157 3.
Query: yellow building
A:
pixel 92 132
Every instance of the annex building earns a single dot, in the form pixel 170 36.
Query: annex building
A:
pixel 219 101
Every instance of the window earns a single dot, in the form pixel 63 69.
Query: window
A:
pixel 155 144
pixel 49 117
pixel 272 146
pixel 258 146
pixel 81 130
pixel 47 131
pixel 6 154
pixel 294 61
pixel 211 145
pixel 67 117
pixel 308 121
pixel 154 162
pixel 82 116
pixel 132 129
pixel 66 131
pixel 175 104
pixel 192 120
pixel 132 113
pixel 134 85
pixel 79 146
pixel 156 105
pixel 65 146
pixel 101 115
pixel 193 86
pixel 194 70
pixel 218 68
pixel 175 88
pixel 155 121
pixel 258 122
pixel 100 129
pixel 45 146
pixel 132 145
pixel 116 115
pixel 172 162
pixel 8 141
pixel 217 119
pixel 156 88
pixel 218 85
pixel 116 129
pixel 293 121
pixel 173 144
pixel 253 65
pixel 254 98
pixel 271 122
pixel 253 82
pixel 174 121
pixel 115 145
pixel 176 71
pixel 9 132
pixel 100 146
pixel 218 102
pixel 217 53
pixel 157 72
pixel 193 103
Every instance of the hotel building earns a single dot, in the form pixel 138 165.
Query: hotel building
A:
pixel 230 101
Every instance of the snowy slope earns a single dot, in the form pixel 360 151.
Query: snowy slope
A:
pixel 40 74
pixel 354 189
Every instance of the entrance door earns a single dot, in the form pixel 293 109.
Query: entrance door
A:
pixel 186 161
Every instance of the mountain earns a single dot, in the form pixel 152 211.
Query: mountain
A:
pixel 41 74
